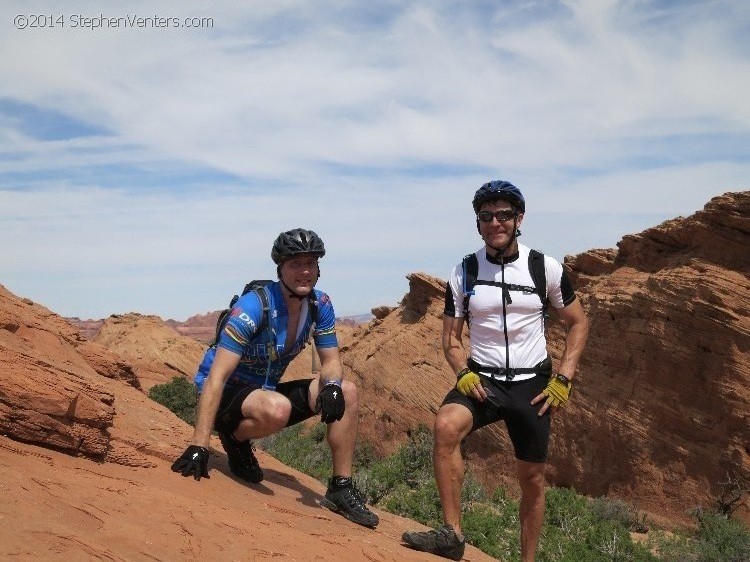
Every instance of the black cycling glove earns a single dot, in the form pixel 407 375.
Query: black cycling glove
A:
pixel 193 461
pixel 330 403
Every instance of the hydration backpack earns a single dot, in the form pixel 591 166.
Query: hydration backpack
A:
pixel 258 287
pixel 536 269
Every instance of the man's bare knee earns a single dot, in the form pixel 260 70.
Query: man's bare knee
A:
pixel 531 477
pixel 449 429
pixel 351 394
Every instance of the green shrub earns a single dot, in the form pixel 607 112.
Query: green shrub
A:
pixel 609 509
pixel 403 483
pixel 567 511
pixel 721 539
pixel 179 396
pixel 579 530
pixel 671 547
pixel 492 529
pixel 302 449
pixel 421 503
pixel 717 539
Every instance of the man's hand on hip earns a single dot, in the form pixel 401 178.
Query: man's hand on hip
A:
pixel 556 393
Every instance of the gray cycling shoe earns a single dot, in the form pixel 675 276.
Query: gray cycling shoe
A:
pixel 348 502
pixel 443 541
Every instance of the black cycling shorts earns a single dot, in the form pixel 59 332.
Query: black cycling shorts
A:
pixel 528 432
pixel 229 415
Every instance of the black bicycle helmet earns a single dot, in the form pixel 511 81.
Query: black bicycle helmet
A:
pixel 499 189
pixel 295 242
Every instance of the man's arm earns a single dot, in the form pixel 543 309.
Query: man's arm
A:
pixel 331 368
pixel 330 401
pixel 575 340
pixel 456 356
pixel 225 362
pixel 578 332
pixel 453 347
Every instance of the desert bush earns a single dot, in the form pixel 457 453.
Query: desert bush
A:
pixel 179 396
pixel 721 539
pixel 617 510
pixel 577 529
pixel 493 529
pixel 301 448
pixel 421 503
pixel 717 539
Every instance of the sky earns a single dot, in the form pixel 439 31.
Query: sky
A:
pixel 150 152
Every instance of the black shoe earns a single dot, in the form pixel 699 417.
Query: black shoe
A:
pixel 442 541
pixel 242 461
pixel 348 502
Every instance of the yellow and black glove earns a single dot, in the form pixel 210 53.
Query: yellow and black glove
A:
pixel 467 380
pixel 558 390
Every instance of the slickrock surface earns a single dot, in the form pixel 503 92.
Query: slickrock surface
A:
pixel 85 458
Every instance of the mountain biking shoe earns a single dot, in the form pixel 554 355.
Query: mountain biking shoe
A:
pixel 242 461
pixel 442 542
pixel 343 498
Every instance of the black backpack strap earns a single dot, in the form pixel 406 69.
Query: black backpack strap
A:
pixel 539 276
pixel 312 302
pixel 224 315
pixel 265 307
pixel 470 266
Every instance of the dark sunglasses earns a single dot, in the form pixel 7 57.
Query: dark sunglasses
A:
pixel 502 216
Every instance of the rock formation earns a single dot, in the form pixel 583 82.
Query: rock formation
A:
pixel 661 414
pixel 157 351
pixel 54 387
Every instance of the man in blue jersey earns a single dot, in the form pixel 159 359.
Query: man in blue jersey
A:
pixel 506 374
pixel 241 395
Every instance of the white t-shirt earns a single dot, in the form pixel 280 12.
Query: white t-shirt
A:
pixel 508 335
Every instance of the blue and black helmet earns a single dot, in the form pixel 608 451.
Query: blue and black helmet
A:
pixel 499 189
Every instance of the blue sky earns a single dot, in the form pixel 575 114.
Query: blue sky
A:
pixel 149 169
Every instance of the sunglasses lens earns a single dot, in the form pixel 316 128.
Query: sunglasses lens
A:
pixel 501 216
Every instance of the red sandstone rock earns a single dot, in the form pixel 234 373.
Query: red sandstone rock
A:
pixel 157 351
pixel 113 496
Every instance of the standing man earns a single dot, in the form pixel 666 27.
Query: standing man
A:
pixel 240 393
pixel 507 375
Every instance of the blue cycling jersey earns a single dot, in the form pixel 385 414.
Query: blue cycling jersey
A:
pixel 240 336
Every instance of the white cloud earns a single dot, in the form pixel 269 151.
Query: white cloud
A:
pixel 370 124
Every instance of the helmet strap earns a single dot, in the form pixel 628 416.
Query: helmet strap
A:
pixel 291 291
pixel 516 233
